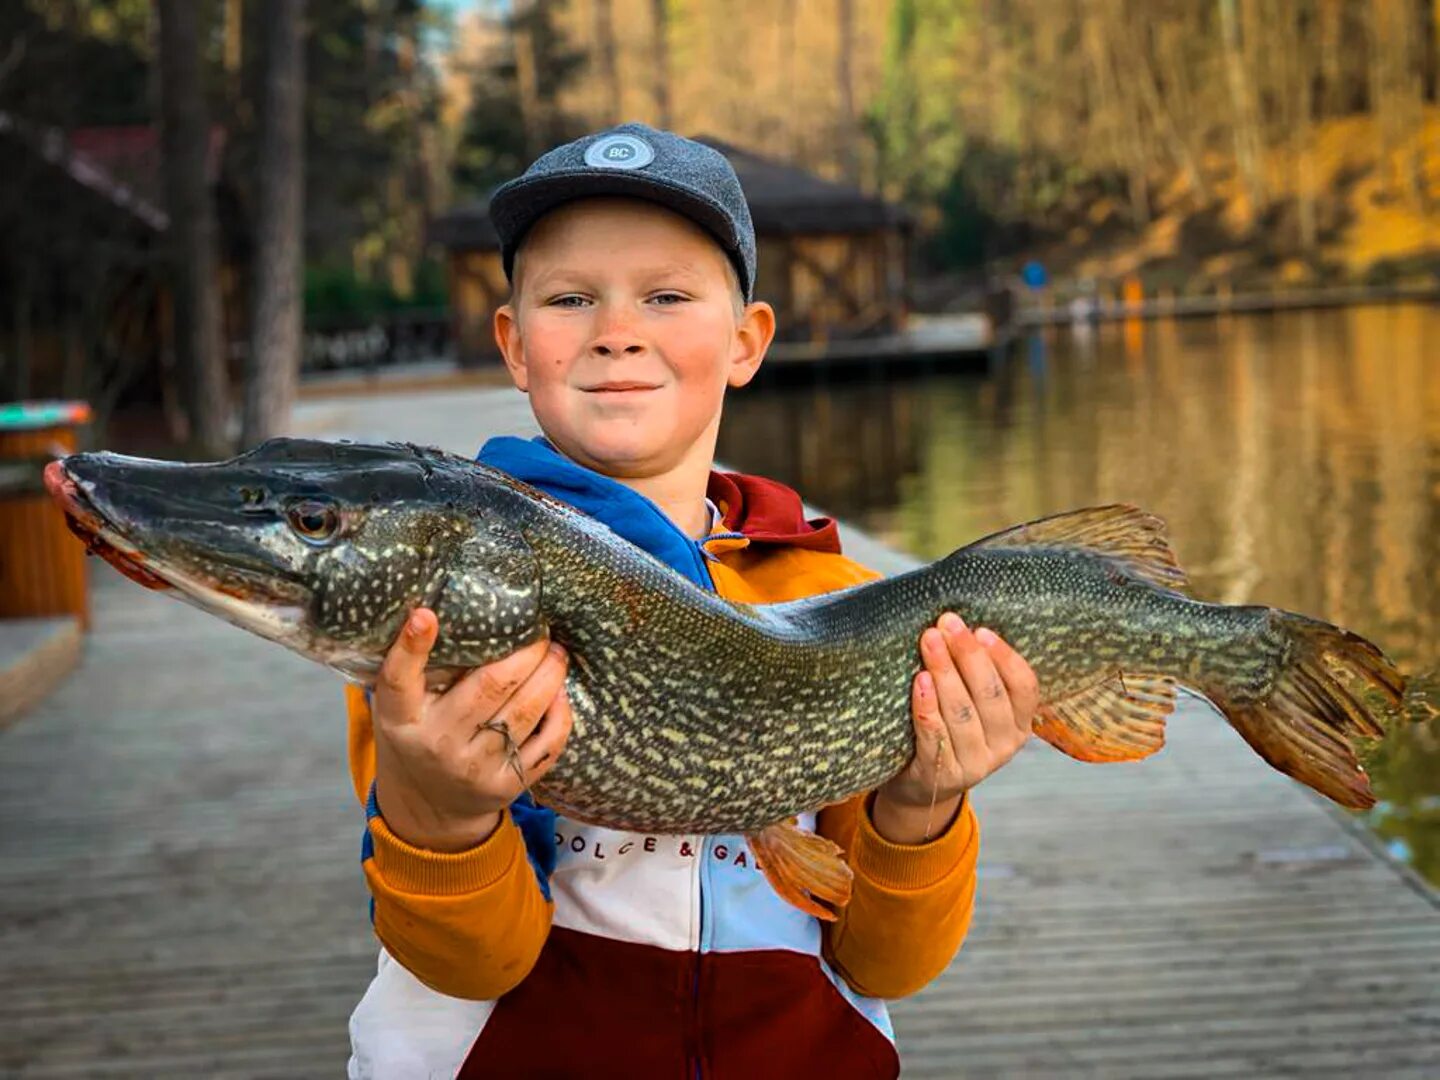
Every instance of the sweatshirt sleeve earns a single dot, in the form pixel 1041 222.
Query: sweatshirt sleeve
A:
pixel 469 924
pixel 911 905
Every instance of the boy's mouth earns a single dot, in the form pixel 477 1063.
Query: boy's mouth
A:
pixel 619 387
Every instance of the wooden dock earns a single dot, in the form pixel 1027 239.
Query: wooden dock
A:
pixel 1170 305
pixel 180 892
pixel 925 338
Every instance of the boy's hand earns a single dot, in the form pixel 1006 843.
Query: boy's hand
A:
pixel 443 766
pixel 973 704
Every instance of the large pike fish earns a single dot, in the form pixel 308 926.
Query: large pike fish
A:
pixel 693 713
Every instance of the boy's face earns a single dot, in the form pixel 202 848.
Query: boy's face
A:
pixel 625 328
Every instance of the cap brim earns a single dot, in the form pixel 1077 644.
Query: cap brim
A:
pixel 517 205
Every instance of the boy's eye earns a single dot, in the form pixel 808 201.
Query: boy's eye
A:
pixel 669 298
pixel 568 300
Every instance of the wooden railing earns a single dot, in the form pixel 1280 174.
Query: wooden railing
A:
pixel 342 342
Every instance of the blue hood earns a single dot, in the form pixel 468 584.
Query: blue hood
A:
pixel 630 514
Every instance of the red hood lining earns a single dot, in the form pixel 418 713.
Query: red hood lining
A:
pixel 767 512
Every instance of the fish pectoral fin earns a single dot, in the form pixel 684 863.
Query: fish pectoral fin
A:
pixel 1124 533
pixel 1121 718
pixel 806 870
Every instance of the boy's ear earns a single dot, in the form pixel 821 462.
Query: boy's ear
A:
pixel 507 336
pixel 752 339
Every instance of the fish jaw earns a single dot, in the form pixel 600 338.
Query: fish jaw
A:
pixel 253 603
pixel 85 523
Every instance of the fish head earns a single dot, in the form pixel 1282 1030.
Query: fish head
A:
pixel 322 547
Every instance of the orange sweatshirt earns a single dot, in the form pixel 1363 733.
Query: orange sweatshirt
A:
pixel 644 927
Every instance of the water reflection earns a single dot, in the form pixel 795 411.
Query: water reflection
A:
pixel 1296 458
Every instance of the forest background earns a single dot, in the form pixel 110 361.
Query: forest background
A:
pixel 1194 143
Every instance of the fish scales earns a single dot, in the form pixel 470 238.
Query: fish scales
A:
pixel 807 703
pixel 697 714
pixel 728 751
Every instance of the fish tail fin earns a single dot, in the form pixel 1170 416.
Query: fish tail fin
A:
pixel 1333 688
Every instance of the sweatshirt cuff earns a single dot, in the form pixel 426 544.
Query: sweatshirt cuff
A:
pixel 912 867
pixel 418 871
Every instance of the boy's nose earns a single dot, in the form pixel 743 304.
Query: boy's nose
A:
pixel 616 332
pixel 617 343
pixel 617 346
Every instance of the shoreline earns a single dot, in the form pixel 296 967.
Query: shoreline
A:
pixel 1100 308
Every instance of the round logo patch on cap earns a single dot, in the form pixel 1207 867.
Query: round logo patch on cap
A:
pixel 619 152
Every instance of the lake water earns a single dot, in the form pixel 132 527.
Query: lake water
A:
pixel 1296 458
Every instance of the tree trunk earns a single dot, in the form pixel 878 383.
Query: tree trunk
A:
pixel 1332 70
pixel 1112 107
pixel 1434 36
pixel 234 36
pixel 74 368
pixel 1397 95
pixel 660 60
pixel 605 61
pixel 1140 46
pixel 1381 92
pixel 527 88
pixel 273 366
pixel 1301 82
pixel 849 135
pixel 411 204
pixel 22 355
pixel 1246 139
pixel 790 112
pixel 185 138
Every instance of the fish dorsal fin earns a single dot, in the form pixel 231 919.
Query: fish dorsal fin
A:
pixel 1124 533
pixel 1120 718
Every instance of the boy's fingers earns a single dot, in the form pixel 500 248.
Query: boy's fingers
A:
pixel 986 688
pixel 483 691
pixel 1019 679
pixel 544 747
pixel 522 711
pixel 954 700
pixel 929 724
pixel 957 706
pixel 402 673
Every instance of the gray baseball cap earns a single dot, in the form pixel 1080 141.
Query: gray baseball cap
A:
pixel 633 159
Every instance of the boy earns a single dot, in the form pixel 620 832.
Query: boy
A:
pixel 519 943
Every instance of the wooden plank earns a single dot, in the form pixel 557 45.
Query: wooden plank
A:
pixel 35 654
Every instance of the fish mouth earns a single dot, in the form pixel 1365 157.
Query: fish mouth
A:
pixel 269 609
pixel 95 532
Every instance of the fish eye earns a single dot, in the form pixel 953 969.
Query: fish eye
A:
pixel 314 520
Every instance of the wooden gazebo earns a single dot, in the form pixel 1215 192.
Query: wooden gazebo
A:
pixel 88 301
pixel 832 259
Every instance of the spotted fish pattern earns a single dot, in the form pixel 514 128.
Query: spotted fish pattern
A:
pixel 694 714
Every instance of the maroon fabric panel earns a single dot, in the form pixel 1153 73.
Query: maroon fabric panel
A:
pixel 594 1007
pixel 768 512
pixel 774 1013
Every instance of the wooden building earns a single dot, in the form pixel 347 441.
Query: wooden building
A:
pixel 832 259
pixel 83 272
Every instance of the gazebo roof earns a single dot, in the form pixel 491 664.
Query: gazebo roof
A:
pixel 784 200
pixel 787 199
